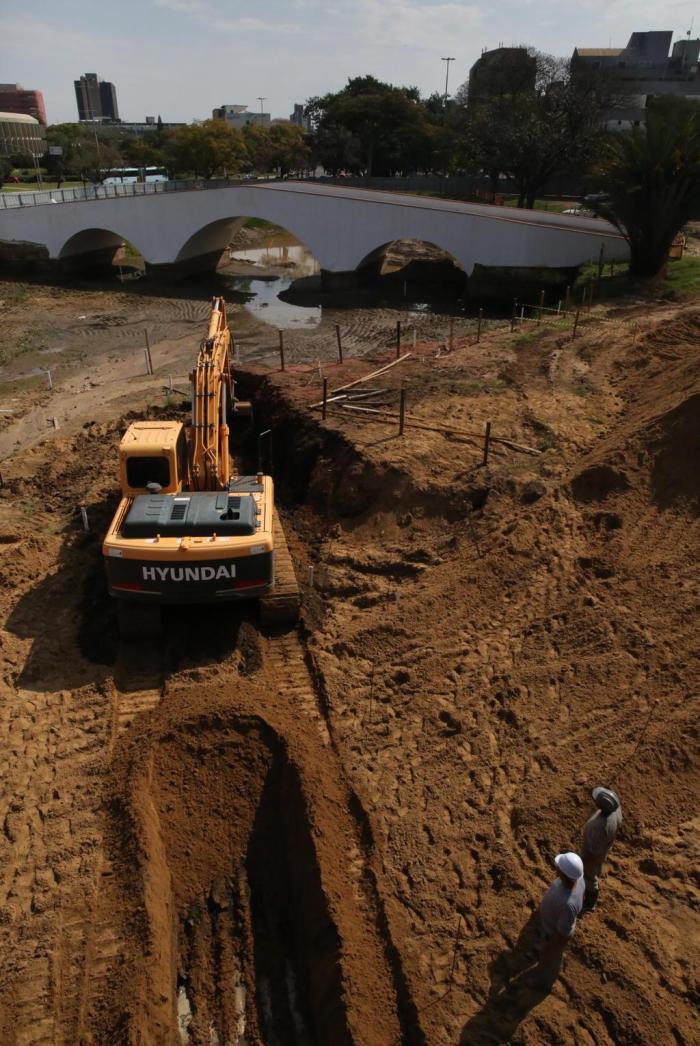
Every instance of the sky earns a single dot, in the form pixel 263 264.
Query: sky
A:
pixel 181 58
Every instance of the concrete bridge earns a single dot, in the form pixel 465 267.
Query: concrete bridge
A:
pixel 186 231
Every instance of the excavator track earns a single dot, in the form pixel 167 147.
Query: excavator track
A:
pixel 281 606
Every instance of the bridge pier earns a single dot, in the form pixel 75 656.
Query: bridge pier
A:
pixel 341 281
pixel 180 270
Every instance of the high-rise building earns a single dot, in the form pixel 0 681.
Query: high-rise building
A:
pixel 640 72
pixel 97 99
pixel 14 99
pixel 503 71
pixel 299 118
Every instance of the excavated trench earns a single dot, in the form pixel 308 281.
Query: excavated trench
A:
pixel 240 944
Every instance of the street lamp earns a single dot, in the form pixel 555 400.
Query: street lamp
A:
pixel 261 99
pixel 447 74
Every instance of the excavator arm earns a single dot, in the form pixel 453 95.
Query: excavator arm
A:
pixel 208 464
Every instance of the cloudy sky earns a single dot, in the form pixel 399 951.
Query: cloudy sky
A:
pixel 180 58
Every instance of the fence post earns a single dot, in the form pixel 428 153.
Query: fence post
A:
pixel 325 398
pixel 513 315
pixel 540 306
pixel 398 338
pixel 601 256
pixel 339 341
pixel 402 410
pixel 573 333
pixel 281 337
pixel 49 379
pixel 478 326
pixel 567 298
pixel 487 444
pixel 149 361
pixel 84 517
pixel 415 335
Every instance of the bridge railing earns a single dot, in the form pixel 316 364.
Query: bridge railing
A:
pixel 111 192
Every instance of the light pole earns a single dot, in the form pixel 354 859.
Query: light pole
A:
pixel 261 99
pixel 447 75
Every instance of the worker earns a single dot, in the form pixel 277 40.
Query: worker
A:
pixel 599 834
pixel 559 909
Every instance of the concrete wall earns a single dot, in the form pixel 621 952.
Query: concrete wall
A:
pixel 340 226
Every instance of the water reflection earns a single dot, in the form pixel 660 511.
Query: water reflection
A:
pixel 260 295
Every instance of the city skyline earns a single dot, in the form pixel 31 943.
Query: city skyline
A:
pixel 190 55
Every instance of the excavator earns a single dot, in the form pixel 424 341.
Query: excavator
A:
pixel 189 528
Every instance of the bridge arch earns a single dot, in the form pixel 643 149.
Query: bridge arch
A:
pixel 92 249
pixel 203 249
pixel 416 260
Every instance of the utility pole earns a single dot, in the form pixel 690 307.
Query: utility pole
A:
pixel 261 99
pixel 447 75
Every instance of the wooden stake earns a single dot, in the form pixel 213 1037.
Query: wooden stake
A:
pixel 540 307
pixel 454 954
pixel 567 299
pixel 325 399
pixel 415 335
pixel 281 337
pixel 487 443
pixel 478 326
pixel 601 256
pixel 339 341
pixel 145 356
pixel 149 360
pixel 84 517
pixel 55 422
pixel 573 333
pixel 514 314
pixel 398 338
pixel 402 411
pixel 49 380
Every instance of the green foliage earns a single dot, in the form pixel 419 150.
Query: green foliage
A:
pixel 536 132
pixel 371 128
pixel 281 148
pixel 205 149
pixel 652 178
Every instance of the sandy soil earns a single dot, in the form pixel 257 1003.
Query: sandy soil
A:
pixel 339 834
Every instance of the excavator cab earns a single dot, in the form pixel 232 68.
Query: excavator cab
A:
pixel 152 452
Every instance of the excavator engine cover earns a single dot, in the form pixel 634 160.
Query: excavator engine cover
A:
pixel 190 514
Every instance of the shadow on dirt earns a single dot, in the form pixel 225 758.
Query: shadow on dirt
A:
pixel 515 991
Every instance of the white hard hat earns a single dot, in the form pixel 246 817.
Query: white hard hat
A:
pixel 570 864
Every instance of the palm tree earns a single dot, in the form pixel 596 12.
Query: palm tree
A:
pixel 651 176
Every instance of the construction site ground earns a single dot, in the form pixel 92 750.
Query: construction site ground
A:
pixel 340 833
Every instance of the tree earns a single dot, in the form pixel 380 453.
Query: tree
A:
pixel 370 127
pixel 542 129
pixel 205 149
pixel 652 179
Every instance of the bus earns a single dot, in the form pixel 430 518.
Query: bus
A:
pixel 132 175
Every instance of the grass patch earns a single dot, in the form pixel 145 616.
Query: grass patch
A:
pixel 260 223
pixel 682 281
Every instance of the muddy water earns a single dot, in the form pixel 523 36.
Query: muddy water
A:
pixel 262 295
pixel 280 264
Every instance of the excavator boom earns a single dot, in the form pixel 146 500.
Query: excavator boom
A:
pixel 209 463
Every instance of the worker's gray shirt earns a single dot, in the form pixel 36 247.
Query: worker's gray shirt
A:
pixel 559 908
pixel 599 832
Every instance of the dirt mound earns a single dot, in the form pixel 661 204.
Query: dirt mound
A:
pixel 674 446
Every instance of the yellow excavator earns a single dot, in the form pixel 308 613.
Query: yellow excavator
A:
pixel 189 528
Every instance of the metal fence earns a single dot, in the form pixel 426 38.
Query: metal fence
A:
pixel 112 192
